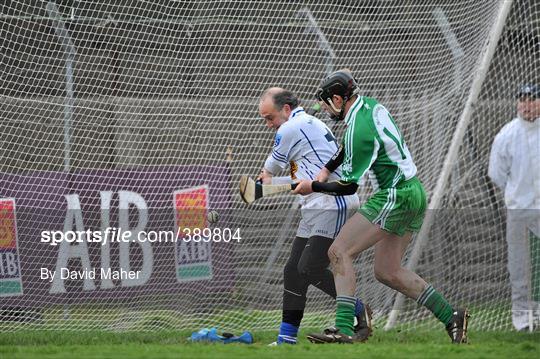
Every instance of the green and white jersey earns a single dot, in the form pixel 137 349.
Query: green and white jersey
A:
pixel 374 143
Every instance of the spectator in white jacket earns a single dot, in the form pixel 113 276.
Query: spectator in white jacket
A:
pixel 514 166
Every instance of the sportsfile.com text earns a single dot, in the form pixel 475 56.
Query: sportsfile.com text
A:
pixel 117 235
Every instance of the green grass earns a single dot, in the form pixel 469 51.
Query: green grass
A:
pixel 173 344
pixel 154 334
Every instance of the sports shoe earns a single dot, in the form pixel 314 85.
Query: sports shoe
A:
pixel 457 328
pixel 330 335
pixel 285 339
pixel 363 328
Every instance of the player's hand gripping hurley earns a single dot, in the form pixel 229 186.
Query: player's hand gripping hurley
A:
pixel 251 191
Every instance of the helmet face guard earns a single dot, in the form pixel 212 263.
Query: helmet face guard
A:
pixel 340 83
pixel 338 113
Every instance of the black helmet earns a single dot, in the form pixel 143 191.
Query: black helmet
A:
pixel 340 83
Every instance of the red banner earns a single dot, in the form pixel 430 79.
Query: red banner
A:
pixel 10 268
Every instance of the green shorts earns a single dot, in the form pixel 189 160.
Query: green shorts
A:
pixel 398 209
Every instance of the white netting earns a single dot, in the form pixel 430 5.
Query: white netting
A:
pixel 128 102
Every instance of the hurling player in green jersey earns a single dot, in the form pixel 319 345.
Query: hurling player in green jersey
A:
pixel 374 144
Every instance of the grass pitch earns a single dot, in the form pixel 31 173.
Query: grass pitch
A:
pixel 173 344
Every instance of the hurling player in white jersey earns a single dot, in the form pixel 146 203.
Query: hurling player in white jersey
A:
pixel 305 144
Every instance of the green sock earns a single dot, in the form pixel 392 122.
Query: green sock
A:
pixel 345 314
pixel 435 302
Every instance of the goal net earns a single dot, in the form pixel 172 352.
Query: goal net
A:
pixel 138 117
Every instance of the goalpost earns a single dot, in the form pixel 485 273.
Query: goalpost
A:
pixel 143 116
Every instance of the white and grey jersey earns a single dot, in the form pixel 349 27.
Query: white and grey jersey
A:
pixel 305 144
pixel 514 163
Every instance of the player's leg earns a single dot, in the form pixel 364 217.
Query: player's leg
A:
pixel 388 270
pixel 404 217
pixel 357 235
pixel 518 268
pixel 327 215
pixel 313 264
pixel 294 294
pixel 387 265
pixel 534 243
